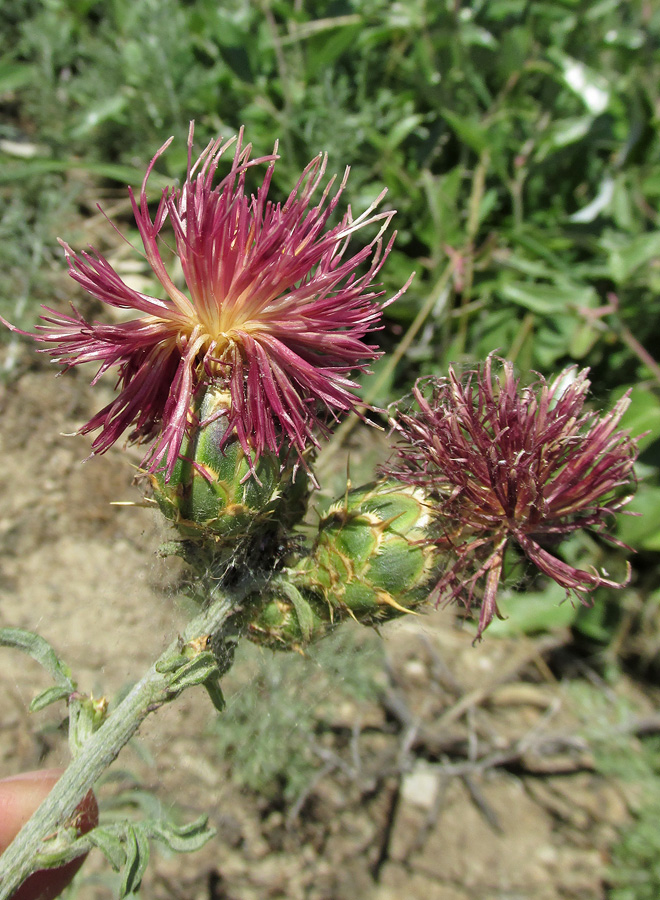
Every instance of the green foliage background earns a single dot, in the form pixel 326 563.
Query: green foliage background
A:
pixel 517 140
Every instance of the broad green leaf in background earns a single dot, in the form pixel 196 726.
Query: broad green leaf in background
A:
pixel 533 612
pixel 468 130
pixel 548 299
pixel 642 531
pixel 642 418
pixel 626 256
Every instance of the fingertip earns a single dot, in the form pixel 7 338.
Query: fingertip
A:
pixel 20 795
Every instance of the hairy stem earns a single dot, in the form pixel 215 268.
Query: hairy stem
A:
pixel 153 690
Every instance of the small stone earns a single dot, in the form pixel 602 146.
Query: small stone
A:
pixel 416 670
pixel 420 786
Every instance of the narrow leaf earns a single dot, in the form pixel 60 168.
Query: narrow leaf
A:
pixel 50 695
pixel 195 672
pixel 136 846
pixel 109 845
pixel 40 650
pixel 113 171
pixel 212 685
pixel 469 131
pixel 15 75
pixel 302 608
pixel 184 838
pixel 548 299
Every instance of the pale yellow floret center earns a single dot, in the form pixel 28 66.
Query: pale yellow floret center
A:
pixel 216 335
pixel 216 326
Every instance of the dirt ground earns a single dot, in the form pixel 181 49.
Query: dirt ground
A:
pixel 467 776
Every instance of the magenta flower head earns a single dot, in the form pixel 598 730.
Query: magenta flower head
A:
pixel 502 464
pixel 271 311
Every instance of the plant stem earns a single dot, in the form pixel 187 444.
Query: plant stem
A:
pixel 102 748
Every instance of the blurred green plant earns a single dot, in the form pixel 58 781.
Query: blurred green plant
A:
pixel 274 717
pixel 633 872
pixel 518 140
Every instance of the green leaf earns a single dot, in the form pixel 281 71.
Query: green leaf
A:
pixel 50 695
pixel 60 848
pixel 469 131
pixel 302 608
pixel 110 846
pixel 401 130
pixel 626 257
pixel 109 108
pixel 552 337
pixel 600 203
pixel 592 622
pixel 479 37
pixel 40 650
pixel 548 299
pixel 441 199
pixel 530 613
pixel 642 532
pixel 135 798
pixel 488 203
pixel 515 47
pixel 184 838
pixel 172 663
pixel 589 85
pixel 13 76
pixel 532 267
pixel 123 174
pixel 324 48
pixel 214 690
pixel 643 414
pixel 562 133
pixel 195 672
pixel 583 339
pixel 136 846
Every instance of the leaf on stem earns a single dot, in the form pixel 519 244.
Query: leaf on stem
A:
pixel 50 695
pixel 136 847
pixel 110 846
pixel 184 838
pixel 41 651
pixel 195 672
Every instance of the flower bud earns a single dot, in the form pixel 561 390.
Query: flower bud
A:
pixel 288 620
pixel 86 715
pixel 372 559
pixel 216 491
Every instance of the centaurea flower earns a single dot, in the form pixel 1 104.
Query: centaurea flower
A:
pixel 273 316
pixel 505 464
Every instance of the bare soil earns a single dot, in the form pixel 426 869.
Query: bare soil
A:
pixel 466 776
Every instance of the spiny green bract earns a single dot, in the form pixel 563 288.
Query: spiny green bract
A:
pixel 289 620
pixel 371 561
pixel 219 493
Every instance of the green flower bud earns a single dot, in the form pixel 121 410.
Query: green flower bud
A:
pixel 288 620
pixel 372 559
pixel 215 491
pixel 86 715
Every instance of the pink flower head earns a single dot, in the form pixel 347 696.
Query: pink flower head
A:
pixel 502 463
pixel 273 314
